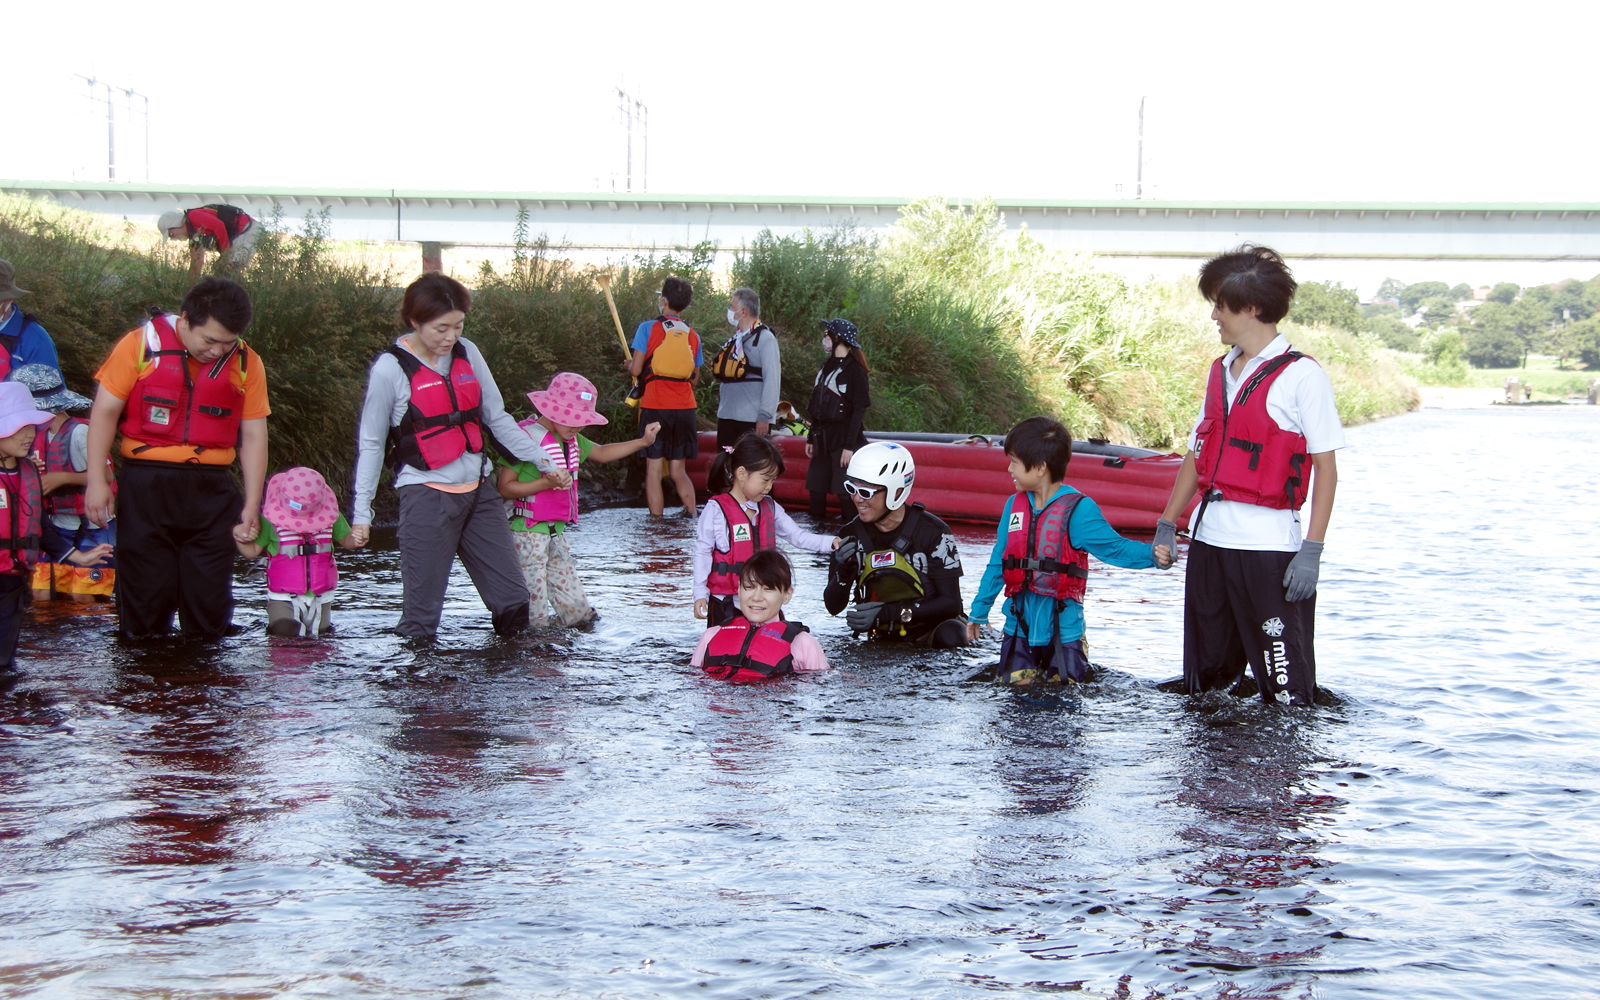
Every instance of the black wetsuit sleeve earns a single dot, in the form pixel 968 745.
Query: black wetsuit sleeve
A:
pixel 943 601
pixel 836 595
pixel 858 400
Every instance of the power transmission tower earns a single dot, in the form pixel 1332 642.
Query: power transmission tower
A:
pixel 635 117
pixel 128 94
pixel 1138 177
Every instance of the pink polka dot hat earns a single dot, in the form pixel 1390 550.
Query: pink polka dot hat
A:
pixel 570 400
pixel 299 502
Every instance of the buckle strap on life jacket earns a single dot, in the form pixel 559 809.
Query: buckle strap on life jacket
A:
pixel 1253 447
pixel 305 549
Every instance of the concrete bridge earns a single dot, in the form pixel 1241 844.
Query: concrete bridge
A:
pixel 608 224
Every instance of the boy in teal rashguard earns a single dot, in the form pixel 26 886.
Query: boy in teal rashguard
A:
pixel 1041 560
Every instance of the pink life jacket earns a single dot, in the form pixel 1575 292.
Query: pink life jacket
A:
pixel 1241 453
pixel 303 565
pixel 742 653
pixel 1039 553
pixel 744 540
pixel 551 505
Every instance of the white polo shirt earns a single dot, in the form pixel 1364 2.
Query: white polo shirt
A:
pixel 1299 401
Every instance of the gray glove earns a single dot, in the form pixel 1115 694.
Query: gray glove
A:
pixel 1166 534
pixel 1301 576
pixel 845 558
pixel 864 616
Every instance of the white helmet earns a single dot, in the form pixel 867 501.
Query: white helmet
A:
pixel 885 464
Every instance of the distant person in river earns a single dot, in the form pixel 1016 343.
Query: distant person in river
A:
pixel 541 509
pixel 186 396
pixel 740 520
pixel 88 571
pixel 1264 441
pixel 1040 559
pixel 898 562
pixel 666 361
pixel 758 644
pixel 839 400
pixel 21 511
pixel 23 340
pixel 300 525
pixel 749 372
pixel 223 229
pixel 432 407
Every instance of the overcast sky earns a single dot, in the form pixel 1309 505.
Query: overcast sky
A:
pixel 1348 101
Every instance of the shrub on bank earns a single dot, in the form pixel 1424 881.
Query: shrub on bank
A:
pixel 966 329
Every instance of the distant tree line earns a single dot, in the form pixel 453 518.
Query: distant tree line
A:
pixel 1562 319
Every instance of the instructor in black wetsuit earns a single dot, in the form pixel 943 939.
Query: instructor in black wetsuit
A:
pixel 900 562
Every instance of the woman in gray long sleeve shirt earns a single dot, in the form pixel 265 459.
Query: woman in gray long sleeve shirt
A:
pixel 422 386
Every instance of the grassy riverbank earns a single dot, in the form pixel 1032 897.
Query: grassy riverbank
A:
pixel 966 330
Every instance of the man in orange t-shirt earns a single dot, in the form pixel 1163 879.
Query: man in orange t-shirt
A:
pixel 666 356
pixel 188 397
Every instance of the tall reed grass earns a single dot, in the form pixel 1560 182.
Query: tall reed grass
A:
pixel 966 329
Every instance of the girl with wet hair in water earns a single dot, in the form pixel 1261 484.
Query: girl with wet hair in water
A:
pixel 739 520
pixel 759 644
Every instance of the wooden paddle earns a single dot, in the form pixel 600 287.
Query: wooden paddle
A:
pixel 603 279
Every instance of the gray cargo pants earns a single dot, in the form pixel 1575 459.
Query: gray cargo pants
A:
pixel 435 527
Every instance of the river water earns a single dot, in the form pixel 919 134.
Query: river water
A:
pixel 577 813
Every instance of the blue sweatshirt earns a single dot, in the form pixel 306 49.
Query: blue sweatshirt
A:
pixel 34 346
pixel 1089 530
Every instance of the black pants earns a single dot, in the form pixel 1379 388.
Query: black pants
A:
pixel 175 548
pixel 1234 614
pixel 730 431
pixel 13 600
pixel 721 610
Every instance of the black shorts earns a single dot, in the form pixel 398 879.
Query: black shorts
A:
pixel 1235 615
pixel 679 437
pixel 730 431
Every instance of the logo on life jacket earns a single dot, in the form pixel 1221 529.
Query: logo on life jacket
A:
pixel 883 559
pixel 1017 522
pixel 160 415
pixel 741 532
pixel 5 498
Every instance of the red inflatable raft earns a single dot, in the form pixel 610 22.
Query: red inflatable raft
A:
pixel 963 478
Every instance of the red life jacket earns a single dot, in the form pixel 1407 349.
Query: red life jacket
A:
pixel 169 408
pixel 21 517
pixel 443 421
pixel 303 565
pixel 1039 553
pixel 56 454
pixel 1241 453
pixel 742 653
pixel 744 540
pixel 216 226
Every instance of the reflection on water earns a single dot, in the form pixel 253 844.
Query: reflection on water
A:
pixel 577 812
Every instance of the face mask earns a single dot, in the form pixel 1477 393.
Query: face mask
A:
pixel 827 345
pixel 732 319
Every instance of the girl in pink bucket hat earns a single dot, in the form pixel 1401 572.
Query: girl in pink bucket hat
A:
pixel 541 509
pixel 300 524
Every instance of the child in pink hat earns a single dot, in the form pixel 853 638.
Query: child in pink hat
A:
pixel 21 510
pixel 541 511
pixel 300 524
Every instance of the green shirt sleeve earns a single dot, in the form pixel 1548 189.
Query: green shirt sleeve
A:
pixel 267 538
pixel 584 447
pixel 341 528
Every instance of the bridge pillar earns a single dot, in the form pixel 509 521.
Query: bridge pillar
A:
pixel 432 257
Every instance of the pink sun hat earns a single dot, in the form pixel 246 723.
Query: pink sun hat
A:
pixel 569 400
pixel 299 501
pixel 16 409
